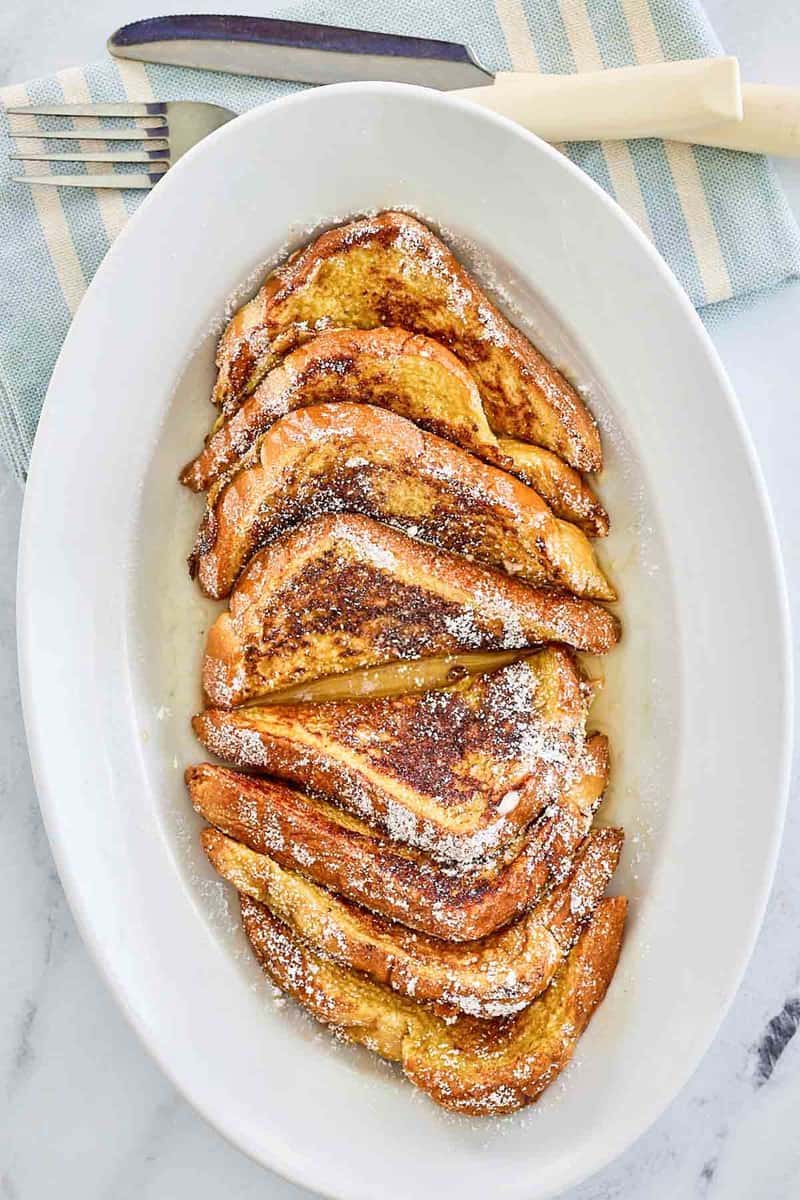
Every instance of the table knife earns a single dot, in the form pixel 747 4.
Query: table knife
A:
pixel 663 99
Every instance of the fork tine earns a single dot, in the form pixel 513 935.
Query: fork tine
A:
pixel 101 156
pixel 120 182
pixel 95 135
pixel 89 110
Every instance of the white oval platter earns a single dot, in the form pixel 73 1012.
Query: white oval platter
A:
pixel 697 697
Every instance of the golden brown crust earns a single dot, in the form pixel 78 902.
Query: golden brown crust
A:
pixel 494 977
pixel 468 940
pixel 472 1066
pixel 412 376
pixel 345 592
pixel 559 485
pixel 407 373
pixel 357 458
pixel 391 270
pixel 306 834
pixel 456 771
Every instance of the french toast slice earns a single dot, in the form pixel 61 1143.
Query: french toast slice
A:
pixel 306 834
pixel 362 459
pixel 494 977
pixel 565 491
pixel 391 270
pixel 412 376
pixel 468 1065
pixel 407 373
pixel 457 772
pixel 344 592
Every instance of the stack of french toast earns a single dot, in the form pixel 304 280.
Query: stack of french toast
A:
pixel 399 521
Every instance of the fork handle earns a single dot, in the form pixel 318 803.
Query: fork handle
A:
pixel 116 181
pixel 115 109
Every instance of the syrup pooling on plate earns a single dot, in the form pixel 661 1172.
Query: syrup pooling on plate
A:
pixel 443 777
pixel 394 679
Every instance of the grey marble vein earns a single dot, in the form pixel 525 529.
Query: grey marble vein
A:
pixel 775 1038
pixel 707 1172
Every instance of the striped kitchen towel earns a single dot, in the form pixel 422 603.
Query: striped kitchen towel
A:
pixel 718 218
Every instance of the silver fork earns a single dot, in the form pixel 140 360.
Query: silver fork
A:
pixel 170 130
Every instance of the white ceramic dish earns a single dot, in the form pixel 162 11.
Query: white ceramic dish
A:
pixel 110 633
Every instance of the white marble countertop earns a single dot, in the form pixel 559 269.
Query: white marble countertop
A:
pixel 85 1113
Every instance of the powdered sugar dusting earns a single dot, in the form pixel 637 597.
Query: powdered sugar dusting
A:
pixel 524 742
pixel 558 816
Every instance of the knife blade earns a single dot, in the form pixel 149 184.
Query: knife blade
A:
pixel 299 51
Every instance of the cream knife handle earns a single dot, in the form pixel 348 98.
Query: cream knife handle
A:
pixel 770 123
pixel 661 99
